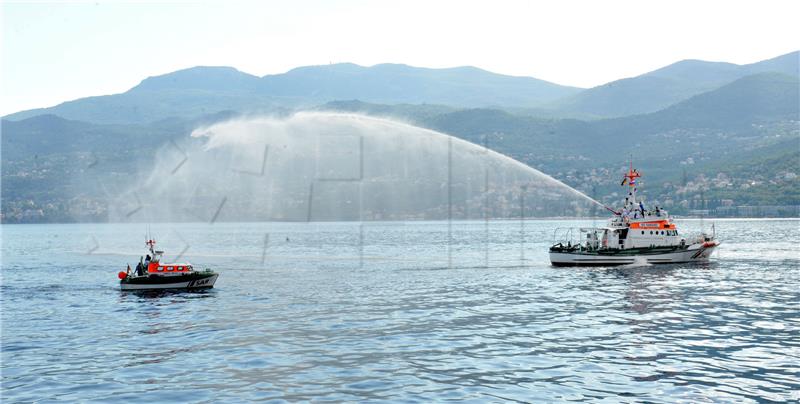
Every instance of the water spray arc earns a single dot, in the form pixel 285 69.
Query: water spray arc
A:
pixel 321 166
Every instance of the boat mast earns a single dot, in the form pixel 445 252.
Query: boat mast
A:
pixel 632 183
pixel 630 178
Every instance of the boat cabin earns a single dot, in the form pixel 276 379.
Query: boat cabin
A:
pixel 639 234
pixel 156 267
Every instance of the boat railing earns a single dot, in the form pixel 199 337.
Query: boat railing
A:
pixel 572 238
pixel 562 235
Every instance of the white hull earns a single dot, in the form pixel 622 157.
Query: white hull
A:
pixel 695 253
pixel 192 284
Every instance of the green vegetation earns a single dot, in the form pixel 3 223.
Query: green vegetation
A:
pixel 734 145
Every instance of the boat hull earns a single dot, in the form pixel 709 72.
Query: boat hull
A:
pixel 191 281
pixel 695 253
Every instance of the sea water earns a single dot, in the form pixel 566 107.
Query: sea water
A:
pixel 400 311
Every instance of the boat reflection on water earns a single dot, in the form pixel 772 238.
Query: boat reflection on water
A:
pixel 167 293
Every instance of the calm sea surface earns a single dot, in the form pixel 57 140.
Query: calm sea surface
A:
pixel 421 311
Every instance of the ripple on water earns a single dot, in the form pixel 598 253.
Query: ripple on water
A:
pixel 399 329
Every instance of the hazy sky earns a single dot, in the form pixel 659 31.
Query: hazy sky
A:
pixel 54 52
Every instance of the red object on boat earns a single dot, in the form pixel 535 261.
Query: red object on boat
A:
pixel 122 275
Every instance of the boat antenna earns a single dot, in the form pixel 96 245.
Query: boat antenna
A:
pixel 594 207
pixel 702 209
pixel 630 158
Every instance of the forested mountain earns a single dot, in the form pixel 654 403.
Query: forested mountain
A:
pixel 738 143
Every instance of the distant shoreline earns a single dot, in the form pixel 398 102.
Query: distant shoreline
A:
pixel 692 218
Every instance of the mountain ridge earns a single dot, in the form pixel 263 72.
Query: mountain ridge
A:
pixel 200 90
pixel 200 78
pixel 660 88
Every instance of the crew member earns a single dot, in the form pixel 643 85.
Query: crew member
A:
pixel 140 268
